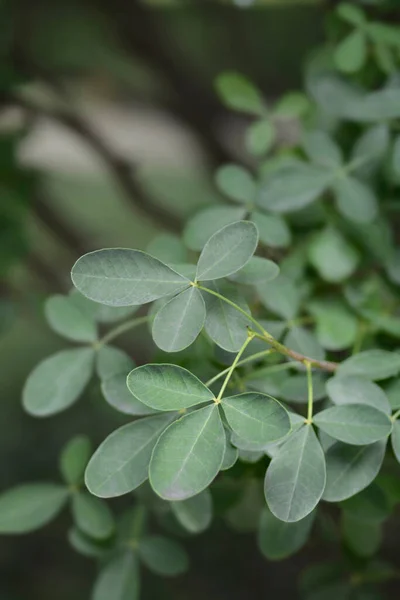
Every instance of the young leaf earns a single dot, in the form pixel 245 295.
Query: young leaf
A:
pixel 351 53
pixel 179 321
pixel 65 317
pixel 236 183
pixel 295 478
pixel 225 325
pixel 117 394
pixel 355 200
pixel 272 229
pixel 120 464
pixel 350 469
pixel 57 382
pixel 121 277
pixel 354 389
pixel 278 540
pixel 227 251
pixel 257 269
pixel 395 439
pixel 256 417
pixel 92 516
pixel 188 455
pixel 371 364
pixel 260 137
pixel 239 94
pixel 356 424
pixel 74 458
pixel 194 514
pixel 332 256
pixel 322 150
pixel 167 387
pixel 163 556
pixel 118 579
pixel 112 361
pixel 28 507
pixel 208 221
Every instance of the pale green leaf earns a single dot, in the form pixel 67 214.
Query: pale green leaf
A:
pixel 208 221
pixel 167 387
pixel 227 251
pixel 257 270
pixel 295 478
pixel 178 323
pixel 121 277
pixel 304 341
pixel 281 296
pixel 322 150
pixel 57 382
pixel 28 507
pixel 350 469
pixel 395 439
pixel 92 516
pixel 256 417
pixel 355 389
pixel 336 327
pixel 236 182
pixel 272 229
pixel 332 255
pixel 260 137
pixel 168 248
pixel 117 394
pixel 351 53
pixel 112 361
pixel 118 579
pixel 188 455
pixel 370 149
pixel 120 464
pixel 356 424
pixel 238 93
pixel 194 514
pixel 372 364
pixel 74 458
pixel 100 312
pixel 163 556
pixel 381 105
pixel 65 317
pixel 278 540
pixel 355 200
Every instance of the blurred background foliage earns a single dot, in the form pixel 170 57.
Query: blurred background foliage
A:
pixel 109 133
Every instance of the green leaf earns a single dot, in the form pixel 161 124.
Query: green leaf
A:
pixel 225 325
pixel 355 200
pixel 236 182
pixel 117 394
pixel 256 417
pixel 167 387
pixel 92 516
pixel 291 188
pixel 395 439
pixel 238 93
pixel 257 269
pixel 295 478
pixel 355 389
pixel 120 464
pixel 188 455
pixel 281 296
pixel 178 323
pixel 372 364
pixel 350 469
pixel 85 545
pixel 260 137
pixel 121 277
pixel 370 149
pixel 112 361
pixel 163 556
pixel 119 579
pixel 336 327
pixel 395 161
pixel 194 514
pixel 74 458
pixel 57 382
pixel 322 150
pixel 356 424
pixel 208 221
pixel 65 318
pixel 369 505
pixel 376 106
pixel 332 255
pixel 168 248
pixel 303 341
pixel 350 55
pixel 392 391
pixel 292 105
pixel 362 537
pixel 230 456
pixel 272 229
pixel 351 13
pixel 227 251
pixel 278 540
pixel 28 507
pixel 295 388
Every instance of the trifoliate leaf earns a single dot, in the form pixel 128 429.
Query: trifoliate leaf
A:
pixel 236 182
pixel 208 221
pixel 356 424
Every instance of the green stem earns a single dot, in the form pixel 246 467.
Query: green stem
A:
pixel 233 366
pixel 310 392
pixel 395 416
pixel 245 361
pixel 120 329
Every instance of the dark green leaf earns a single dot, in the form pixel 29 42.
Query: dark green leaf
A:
pixel 354 389
pixel 395 439
pixel 278 540
pixel 119 579
pixel 356 424
pixel 163 556
pixel 362 537
pixel 92 516
pixel 194 514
